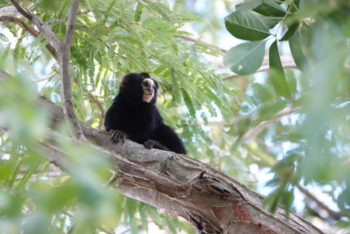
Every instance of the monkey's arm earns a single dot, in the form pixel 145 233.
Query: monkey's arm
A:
pixel 112 124
pixel 168 138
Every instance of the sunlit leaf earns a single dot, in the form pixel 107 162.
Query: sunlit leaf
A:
pixel 246 25
pixel 270 8
pixel 245 58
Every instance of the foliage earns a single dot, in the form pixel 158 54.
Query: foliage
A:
pixel 117 37
pixel 317 133
pixel 111 38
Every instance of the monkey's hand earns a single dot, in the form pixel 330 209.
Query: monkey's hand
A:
pixel 149 144
pixel 118 135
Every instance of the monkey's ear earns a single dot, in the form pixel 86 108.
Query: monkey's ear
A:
pixel 124 80
pixel 145 75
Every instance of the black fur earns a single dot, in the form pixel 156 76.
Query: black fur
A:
pixel 131 117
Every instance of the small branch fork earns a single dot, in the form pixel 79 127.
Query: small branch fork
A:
pixel 63 50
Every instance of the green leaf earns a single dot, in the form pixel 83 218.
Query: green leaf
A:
pixel 3 38
pixel 4 53
pixel 189 103
pixel 270 8
pixel 130 207
pixel 298 55
pixel 278 78
pixel 143 216
pixel 153 213
pixel 280 83
pixel 246 25
pixel 14 174
pixel 175 86
pixel 270 21
pixel 138 11
pixel 248 5
pixel 290 32
pixel 246 58
pixel 287 200
pixel 27 175
pixel 274 58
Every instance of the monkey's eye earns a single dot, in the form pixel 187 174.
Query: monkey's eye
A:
pixel 148 82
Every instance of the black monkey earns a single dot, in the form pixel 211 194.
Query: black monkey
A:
pixel 134 115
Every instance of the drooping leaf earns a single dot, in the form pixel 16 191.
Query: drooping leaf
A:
pixel 274 58
pixel 278 78
pixel 246 25
pixel 290 32
pixel 245 58
pixel 4 53
pixel 189 103
pixel 143 216
pixel 297 53
pixel 175 86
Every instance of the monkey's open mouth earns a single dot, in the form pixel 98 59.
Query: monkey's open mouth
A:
pixel 147 96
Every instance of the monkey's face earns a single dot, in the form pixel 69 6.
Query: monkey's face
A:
pixel 139 88
pixel 149 88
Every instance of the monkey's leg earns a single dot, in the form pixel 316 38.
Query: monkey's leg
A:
pixel 149 144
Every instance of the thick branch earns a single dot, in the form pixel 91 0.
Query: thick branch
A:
pixel 66 83
pixel 208 198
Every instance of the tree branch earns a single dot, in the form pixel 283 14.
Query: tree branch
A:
pixel 66 83
pixel 252 133
pixel 46 78
pixel 336 215
pixel 49 47
pixel 44 28
pixel 29 29
pixel 213 202
pixel 194 40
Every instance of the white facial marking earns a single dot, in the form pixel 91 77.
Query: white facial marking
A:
pixel 147 96
pixel 149 81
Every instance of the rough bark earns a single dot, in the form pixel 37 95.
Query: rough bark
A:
pixel 212 201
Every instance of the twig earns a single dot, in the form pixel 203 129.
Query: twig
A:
pixel 48 77
pixel 192 39
pixel 44 28
pixel 252 133
pixel 29 29
pixel 34 5
pixel 65 20
pixel 337 215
